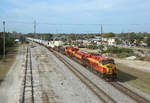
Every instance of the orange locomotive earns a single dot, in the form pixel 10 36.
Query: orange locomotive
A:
pixel 103 66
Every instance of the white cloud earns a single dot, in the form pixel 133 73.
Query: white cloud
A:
pixel 74 9
pixel 28 7
pixel 44 7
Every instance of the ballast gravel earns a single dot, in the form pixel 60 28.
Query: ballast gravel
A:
pixel 58 82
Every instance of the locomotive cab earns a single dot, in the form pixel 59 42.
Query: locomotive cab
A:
pixel 110 67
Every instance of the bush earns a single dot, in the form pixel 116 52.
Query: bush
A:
pixel 9 42
pixel 93 46
pixel 117 50
pixel 121 52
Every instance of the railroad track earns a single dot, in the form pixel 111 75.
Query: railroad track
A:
pixel 131 94
pixel 93 87
pixel 28 90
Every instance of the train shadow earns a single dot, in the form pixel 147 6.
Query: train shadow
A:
pixel 124 77
pixel 1 81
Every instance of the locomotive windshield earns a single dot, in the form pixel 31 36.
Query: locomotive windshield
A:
pixel 107 62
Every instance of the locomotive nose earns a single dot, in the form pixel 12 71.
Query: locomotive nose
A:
pixel 109 66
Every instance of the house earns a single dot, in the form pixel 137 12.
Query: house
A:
pixel 109 41
pixel 96 39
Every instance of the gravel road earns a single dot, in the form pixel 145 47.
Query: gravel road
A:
pixel 12 82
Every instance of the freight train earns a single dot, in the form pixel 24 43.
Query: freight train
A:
pixel 105 67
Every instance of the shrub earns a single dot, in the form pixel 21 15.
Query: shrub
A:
pixel 8 43
pixel 121 52
pixel 93 46
pixel 117 50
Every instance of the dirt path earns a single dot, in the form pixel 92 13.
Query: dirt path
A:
pixel 10 87
pixel 137 64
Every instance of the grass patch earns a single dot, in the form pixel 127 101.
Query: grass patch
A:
pixel 9 60
pixel 120 52
pixel 134 77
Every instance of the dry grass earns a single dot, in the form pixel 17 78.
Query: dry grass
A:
pixel 89 50
pixel 5 65
pixel 134 77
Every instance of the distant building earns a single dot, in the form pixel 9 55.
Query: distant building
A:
pixel 109 41
pixel 96 39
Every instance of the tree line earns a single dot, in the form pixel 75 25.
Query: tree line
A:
pixel 9 41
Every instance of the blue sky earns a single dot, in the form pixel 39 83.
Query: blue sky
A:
pixel 20 14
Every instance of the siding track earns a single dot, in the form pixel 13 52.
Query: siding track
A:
pixel 28 90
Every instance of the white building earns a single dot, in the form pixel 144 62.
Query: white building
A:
pixel 109 41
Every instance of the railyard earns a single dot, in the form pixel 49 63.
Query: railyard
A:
pixel 59 79
pixel 74 51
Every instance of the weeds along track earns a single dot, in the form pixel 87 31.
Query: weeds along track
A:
pixel 93 87
pixel 28 90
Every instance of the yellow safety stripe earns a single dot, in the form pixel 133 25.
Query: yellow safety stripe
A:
pixel 93 60
pixel 78 56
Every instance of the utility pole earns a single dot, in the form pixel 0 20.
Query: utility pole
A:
pixel 101 29
pixel 101 33
pixel 34 28
pixel 3 40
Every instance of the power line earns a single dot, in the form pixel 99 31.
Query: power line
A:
pixel 48 23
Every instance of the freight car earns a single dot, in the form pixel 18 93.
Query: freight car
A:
pixel 60 49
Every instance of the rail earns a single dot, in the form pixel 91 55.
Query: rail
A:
pixel 28 90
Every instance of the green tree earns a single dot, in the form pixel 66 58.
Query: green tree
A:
pixel 147 41
pixel 108 35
